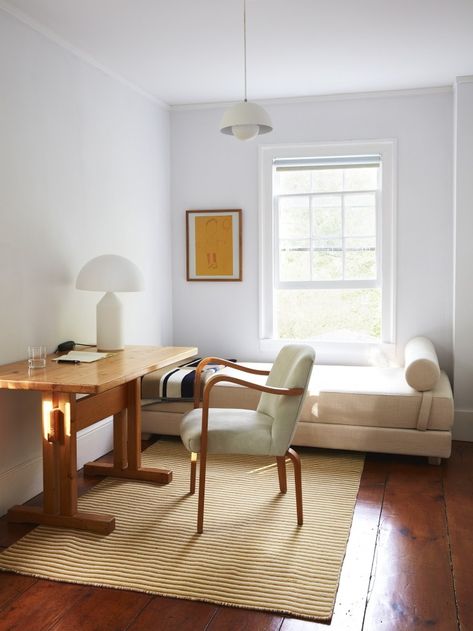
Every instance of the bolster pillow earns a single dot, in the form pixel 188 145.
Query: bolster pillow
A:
pixel 421 364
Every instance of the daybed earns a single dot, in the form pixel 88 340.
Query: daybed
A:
pixel 403 410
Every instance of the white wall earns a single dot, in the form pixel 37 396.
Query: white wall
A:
pixel 213 171
pixel 84 170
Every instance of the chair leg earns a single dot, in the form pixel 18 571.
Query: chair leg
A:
pixel 281 460
pixel 296 461
pixel 200 508
pixel 193 472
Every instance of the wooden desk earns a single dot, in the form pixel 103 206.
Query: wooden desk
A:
pixel 113 386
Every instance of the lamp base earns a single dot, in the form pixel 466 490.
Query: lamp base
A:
pixel 110 323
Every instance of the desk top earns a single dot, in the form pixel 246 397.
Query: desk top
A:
pixel 95 377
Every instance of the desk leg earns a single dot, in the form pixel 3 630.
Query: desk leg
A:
pixel 50 456
pixel 133 470
pixel 66 446
pixel 60 472
pixel 120 457
pixel 134 424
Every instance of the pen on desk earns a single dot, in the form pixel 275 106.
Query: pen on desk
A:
pixel 68 361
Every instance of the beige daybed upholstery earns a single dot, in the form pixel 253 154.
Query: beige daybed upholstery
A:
pixel 405 410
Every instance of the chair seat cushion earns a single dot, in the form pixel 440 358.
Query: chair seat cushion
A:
pixel 229 431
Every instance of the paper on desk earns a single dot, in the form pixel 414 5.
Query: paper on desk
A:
pixel 82 356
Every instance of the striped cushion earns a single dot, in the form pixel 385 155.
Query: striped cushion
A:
pixel 178 382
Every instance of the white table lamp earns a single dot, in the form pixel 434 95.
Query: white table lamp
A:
pixel 110 273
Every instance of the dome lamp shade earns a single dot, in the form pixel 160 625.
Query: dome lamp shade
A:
pixel 110 273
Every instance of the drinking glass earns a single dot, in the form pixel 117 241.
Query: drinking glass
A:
pixel 36 356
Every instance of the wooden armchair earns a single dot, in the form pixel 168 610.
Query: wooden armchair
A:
pixel 268 430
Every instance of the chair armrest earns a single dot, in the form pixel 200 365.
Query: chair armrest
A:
pixel 224 362
pixel 247 384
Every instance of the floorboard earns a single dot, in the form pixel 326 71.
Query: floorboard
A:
pixel 412 585
pixel 173 613
pixel 41 606
pixel 458 487
pixel 12 586
pixel 233 619
pixel 408 566
pixel 102 609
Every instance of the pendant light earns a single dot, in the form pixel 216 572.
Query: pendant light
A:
pixel 245 120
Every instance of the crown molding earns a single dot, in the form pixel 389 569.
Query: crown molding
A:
pixel 344 96
pixel 77 52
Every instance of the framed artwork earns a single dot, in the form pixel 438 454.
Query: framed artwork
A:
pixel 213 244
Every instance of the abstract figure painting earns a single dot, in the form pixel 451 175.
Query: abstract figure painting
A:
pixel 213 239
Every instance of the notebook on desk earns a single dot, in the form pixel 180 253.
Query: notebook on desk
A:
pixel 85 357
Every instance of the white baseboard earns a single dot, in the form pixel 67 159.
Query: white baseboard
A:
pixel 25 480
pixel 94 441
pixel 20 483
pixel 463 425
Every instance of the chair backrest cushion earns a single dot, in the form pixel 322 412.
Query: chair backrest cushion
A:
pixel 291 369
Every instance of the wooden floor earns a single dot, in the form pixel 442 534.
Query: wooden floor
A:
pixel 409 565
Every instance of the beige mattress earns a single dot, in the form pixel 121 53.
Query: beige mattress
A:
pixel 341 395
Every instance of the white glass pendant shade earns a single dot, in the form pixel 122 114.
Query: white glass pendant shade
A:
pixel 245 132
pixel 245 120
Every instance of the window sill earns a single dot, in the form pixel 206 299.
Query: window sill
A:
pixel 340 353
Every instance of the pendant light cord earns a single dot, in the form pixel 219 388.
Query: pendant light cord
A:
pixel 244 44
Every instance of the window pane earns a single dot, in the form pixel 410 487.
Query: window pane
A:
pixel 293 181
pixel 329 314
pixel 294 260
pixel 360 215
pixel 327 216
pixel 360 179
pixel 327 180
pixel 294 217
pixel 360 259
pixel 327 261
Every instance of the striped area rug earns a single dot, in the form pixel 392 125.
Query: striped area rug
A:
pixel 252 554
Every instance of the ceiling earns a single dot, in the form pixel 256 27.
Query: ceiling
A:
pixel 191 51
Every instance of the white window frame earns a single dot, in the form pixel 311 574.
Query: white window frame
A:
pixel 330 352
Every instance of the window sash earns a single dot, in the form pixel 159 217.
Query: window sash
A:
pixel 338 283
pixel 327 284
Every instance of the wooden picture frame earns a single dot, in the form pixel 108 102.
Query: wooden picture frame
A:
pixel 214 245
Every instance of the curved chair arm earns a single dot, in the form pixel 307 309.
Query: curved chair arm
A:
pixel 247 384
pixel 224 362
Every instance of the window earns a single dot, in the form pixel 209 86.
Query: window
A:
pixel 327 243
